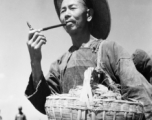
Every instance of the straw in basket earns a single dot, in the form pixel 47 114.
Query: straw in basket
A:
pixel 86 106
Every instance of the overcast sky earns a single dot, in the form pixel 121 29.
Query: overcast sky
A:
pixel 131 28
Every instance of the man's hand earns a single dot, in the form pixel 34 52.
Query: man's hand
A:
pixel 34 44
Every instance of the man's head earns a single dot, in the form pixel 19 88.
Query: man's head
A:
pixel 20 108
pixel 100 21
pixel 76 14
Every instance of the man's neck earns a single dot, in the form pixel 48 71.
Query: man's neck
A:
pixel 82 39
pixel 20 112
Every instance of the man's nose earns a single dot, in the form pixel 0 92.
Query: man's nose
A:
pixel 67 14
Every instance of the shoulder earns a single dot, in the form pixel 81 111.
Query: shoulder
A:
pixel 109 43
pixel 60 59
pixel 24 115
pixel 58 62
pixel 112 48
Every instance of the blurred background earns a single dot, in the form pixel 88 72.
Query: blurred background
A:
pixel 131 28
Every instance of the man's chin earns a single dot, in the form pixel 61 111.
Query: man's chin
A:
pixel 71 31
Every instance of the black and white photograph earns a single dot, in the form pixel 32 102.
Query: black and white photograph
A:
pixel 76 59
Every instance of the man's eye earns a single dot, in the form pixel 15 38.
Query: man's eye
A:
pixel 72 8
pixel 62 11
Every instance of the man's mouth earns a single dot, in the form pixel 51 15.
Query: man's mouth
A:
pixel 69 22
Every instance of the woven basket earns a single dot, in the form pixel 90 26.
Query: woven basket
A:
pixel 83 105
pixel 71 108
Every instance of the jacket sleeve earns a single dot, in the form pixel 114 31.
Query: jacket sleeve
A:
pixel 118 63
pixel 47 85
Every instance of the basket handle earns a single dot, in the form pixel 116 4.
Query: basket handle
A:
pixel 86 94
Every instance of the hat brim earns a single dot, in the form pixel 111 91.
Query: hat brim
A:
pixel 101 23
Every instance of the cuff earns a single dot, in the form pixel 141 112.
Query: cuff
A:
pixel 31 90
pixel 38 96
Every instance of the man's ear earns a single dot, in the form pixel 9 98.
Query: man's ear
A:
pixel 90 13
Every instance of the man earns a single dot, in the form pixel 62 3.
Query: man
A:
pixel 143 63
pixel 20 115
pixel 0 115
pixel 88 24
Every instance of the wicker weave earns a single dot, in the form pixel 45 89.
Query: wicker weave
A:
pixel 84 104
pixel 71 108
pixel 64 107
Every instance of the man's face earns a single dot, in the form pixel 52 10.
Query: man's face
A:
pixel 20 109
pixel 73 12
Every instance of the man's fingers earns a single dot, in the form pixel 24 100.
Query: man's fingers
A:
pixel 38 39
pixel 35 37
pixel 32 33
pixel 39 45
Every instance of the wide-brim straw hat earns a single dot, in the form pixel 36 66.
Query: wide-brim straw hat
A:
pixel 101 22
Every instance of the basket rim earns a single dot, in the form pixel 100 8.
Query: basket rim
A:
pixel 61 96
